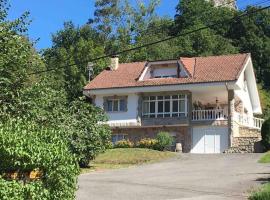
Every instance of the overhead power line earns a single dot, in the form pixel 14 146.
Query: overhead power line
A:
pixel 158 41
pixel 156 30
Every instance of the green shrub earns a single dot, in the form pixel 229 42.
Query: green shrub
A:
pixel 266 134
pixel 147 143
pixel 124 144
pixel 164 140
pixel 25 147
pixel 88 137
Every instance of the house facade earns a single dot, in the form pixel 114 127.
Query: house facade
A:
pixel 207 104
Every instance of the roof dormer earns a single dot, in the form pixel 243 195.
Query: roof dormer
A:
pixel 163 69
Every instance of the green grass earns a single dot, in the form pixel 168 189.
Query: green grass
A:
pixel 265 158
pixel 126 157
pixel 262 194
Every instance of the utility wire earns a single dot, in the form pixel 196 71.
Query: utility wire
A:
pixel 156 42
pixel 157 29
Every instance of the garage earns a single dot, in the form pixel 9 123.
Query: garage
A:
pixel 209 139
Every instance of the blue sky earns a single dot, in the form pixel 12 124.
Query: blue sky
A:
pixel 48 15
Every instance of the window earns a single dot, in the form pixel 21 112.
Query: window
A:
pixel 116 105
pixel 118 137
pixel 166 76
pixel 165 106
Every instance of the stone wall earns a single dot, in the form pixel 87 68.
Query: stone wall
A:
pixel 248 141
pixel 182 134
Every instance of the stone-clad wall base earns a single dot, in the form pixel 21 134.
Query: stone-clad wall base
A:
pixel 247 142
pixel 182 134
pixel 244 145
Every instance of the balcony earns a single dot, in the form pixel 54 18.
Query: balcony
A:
pixel 248 121
pixel 222 114
pixel 209 115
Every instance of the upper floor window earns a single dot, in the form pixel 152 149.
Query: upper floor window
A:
pixel 115 104
pixel 165 106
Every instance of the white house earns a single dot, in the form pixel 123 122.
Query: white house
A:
pixel 207 103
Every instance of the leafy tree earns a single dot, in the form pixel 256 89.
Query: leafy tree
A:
pixel 266 134
pixel 195 14
pixel 18 59
pixel 252 35
pixel 72 48
pixel 88 136
pixel 79 120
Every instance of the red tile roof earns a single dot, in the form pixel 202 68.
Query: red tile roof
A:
pixel 200 69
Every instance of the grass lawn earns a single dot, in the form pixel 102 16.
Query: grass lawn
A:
pixel 265 158
pixel 264 192
pixel 126 157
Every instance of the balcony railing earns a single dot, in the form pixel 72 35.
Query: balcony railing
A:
pixel 248 121
pixel 206 115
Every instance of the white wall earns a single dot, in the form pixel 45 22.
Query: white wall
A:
pixel 129 116
pixel 243 93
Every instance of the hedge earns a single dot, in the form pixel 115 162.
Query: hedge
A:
pixel 24 148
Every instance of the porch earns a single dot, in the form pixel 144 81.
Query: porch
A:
pixel 221 105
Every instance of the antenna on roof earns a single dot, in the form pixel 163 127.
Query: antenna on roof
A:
pixel 90 70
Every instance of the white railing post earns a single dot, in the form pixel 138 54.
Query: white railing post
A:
pixel 248 121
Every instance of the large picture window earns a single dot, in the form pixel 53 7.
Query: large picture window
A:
pixel 165 106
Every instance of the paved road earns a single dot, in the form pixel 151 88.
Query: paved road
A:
pixel 187 177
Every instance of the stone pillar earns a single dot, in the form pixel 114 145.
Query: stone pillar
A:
pixel 231 101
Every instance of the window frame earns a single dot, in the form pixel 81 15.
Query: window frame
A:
pixel 162 98
pixel 118 102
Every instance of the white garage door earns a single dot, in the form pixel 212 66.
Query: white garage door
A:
pixel 209 140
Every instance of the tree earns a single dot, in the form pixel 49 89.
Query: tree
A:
pixel 266 134
pixel 252 35
pixel 86 130
pixel 72 48
pixel 195 14
pixel 18 59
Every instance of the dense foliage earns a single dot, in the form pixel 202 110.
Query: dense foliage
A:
pixel 147 143
pixel 88 136
pixel 164 141
pixel 266 134
pixel 57 130
pixel 124 144
pixel 25 147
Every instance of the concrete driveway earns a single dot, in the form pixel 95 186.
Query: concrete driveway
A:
pixel 187 177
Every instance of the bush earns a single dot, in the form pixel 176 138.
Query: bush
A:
pixel 88 137
pixel 124 144
pixel 266 134
pixel 24 148
pixel 147 143
pixel 164 140
pixel 78 119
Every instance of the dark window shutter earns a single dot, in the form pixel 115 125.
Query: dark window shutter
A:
pixel 105 104
pixel 126 102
